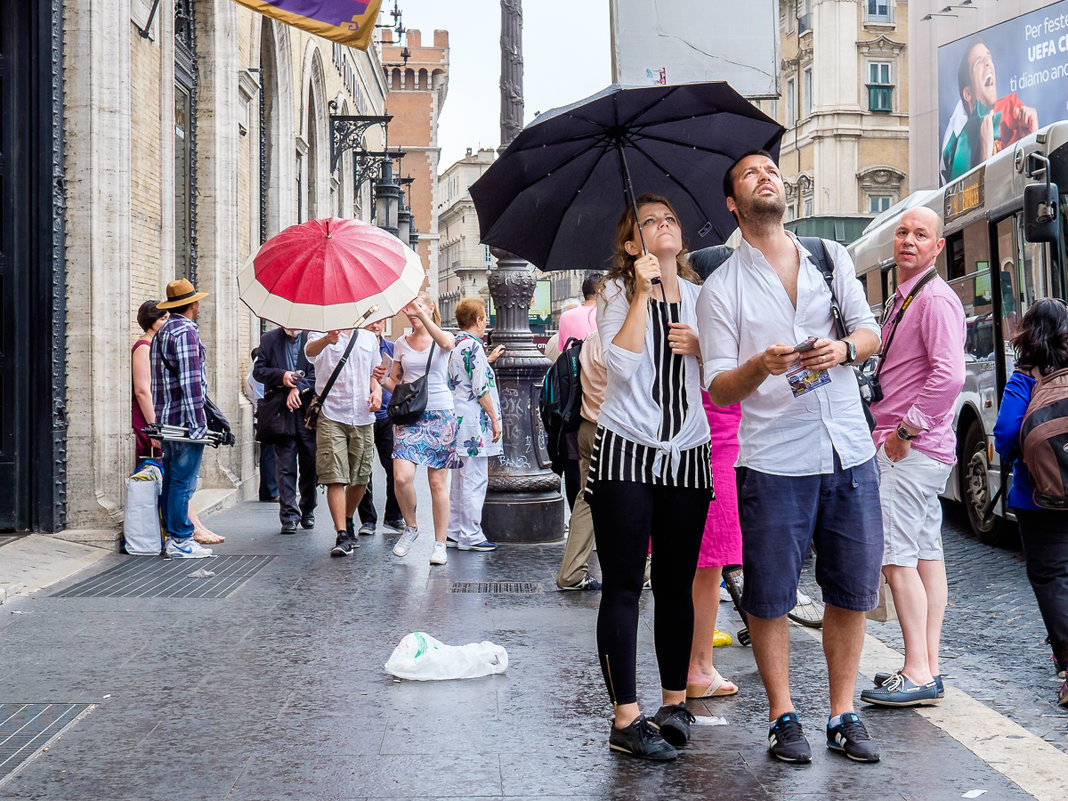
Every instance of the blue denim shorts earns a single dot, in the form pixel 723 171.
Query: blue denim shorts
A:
pixel 781 516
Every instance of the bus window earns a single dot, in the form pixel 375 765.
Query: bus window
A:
pixel 1011 278
pixel 955 262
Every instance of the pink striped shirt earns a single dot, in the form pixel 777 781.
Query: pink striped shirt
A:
pixel 923 372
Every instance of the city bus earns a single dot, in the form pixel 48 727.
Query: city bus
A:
pixel 1005 239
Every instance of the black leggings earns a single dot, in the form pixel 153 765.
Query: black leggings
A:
pixel 1044 534
pixel 625 515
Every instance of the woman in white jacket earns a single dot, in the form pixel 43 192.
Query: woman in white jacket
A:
pixel 649 476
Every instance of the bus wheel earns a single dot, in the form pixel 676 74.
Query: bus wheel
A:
pixel 975 488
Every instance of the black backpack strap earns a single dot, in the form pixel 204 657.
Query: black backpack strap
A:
pixel 818 248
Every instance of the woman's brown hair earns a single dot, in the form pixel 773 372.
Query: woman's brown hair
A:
pixel 623 268
pixel 468 311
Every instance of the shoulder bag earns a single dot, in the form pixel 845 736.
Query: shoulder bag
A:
pixel 315 405
pixel 408 401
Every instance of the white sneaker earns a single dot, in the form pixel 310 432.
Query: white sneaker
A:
pixel 404 543
pixel 186 549
pixel 439 555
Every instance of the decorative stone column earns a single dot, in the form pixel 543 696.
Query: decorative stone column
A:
pixel 523 503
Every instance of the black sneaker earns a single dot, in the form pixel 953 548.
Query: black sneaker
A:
pixel 346 544
pixel 366 529
pixel 641 740
pixel 851 738
pixel 786 741
pixel 587 583
pixel 289 527
pixel 307 520
pixel 673 722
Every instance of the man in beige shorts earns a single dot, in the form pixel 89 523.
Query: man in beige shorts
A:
pixel 344 436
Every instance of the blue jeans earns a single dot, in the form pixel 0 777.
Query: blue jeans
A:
pixel 181 467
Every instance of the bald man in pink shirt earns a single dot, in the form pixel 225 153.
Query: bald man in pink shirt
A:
pixel 921 375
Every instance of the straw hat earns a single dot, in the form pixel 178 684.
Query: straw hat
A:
pixel 180 293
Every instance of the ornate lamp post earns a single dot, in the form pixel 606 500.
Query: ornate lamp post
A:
pixel 523 503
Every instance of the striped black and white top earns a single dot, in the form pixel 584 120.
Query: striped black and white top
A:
pixel 652 428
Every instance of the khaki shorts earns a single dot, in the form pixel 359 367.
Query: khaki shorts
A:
pixel 343 452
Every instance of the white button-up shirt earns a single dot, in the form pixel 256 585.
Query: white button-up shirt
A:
pixel 743 309
pixel 348 399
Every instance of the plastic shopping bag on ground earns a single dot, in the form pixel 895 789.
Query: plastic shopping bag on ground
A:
pixel 420 657
pixel 140 528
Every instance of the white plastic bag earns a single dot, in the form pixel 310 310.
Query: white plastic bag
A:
pixel 420 657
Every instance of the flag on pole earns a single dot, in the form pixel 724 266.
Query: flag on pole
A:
pixel 349 22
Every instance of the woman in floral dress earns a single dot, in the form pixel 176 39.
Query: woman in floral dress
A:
pixel 478 421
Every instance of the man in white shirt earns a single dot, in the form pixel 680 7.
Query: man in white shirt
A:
pixel 344 436
pixel 806 468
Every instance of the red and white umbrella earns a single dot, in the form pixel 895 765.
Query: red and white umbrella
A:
pixel 324 275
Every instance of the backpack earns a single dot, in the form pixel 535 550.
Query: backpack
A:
pixel 560 402
pixel 1044 439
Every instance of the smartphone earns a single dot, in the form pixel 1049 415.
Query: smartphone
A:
pixel 807 344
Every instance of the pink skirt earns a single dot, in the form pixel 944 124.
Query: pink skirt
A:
pixel 722 542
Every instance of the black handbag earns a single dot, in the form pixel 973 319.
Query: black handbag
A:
pixel 274 419
pixel 218 423
pixel 408 401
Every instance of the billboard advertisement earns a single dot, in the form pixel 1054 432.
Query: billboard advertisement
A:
pixel 1000 84
pixel 680 41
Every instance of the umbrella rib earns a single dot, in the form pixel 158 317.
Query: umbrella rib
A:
pixel 604 144
pixel 678 183
pixel 703 148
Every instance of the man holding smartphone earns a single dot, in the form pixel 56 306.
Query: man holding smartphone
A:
pixel 806 466
pixel 383 444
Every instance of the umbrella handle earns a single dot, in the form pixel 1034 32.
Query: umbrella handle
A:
pixel 634 205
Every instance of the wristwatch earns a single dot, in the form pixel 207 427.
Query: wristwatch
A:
pixel 851 352
pixel 903 433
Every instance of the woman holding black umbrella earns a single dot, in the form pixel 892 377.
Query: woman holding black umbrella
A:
pixel 649 473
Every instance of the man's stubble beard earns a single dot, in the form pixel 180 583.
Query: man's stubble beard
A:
pixel 765 210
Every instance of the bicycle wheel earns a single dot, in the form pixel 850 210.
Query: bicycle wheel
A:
pixel 809 608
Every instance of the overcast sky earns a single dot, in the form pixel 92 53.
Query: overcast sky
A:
pixel 565 58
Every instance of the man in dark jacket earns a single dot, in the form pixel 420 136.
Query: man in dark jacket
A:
pixel 280 420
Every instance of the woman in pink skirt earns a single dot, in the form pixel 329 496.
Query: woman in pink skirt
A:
pixel 722 545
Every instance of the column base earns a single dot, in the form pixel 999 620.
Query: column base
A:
pixel 527 517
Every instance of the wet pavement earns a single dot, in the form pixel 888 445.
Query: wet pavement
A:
pixel 277 691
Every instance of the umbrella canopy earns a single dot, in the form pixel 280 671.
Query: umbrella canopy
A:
pixel 555 194
pixel 323 275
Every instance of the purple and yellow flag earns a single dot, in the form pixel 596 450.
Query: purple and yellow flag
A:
pixel 350 22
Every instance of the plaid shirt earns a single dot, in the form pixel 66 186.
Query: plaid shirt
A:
pixel 178 384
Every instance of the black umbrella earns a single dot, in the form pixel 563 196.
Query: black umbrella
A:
pixel 555 194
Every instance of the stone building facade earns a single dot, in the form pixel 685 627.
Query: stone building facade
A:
pixel 190 132
pixel 463 260
pixel 844 100
pixel 418 81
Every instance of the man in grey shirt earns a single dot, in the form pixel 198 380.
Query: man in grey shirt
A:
pixel 806 468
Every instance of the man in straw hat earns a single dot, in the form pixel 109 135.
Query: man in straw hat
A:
pixel 179 390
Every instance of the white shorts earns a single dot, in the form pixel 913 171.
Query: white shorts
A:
pixel 912 513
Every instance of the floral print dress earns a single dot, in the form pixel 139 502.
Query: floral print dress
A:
pixel 471 377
